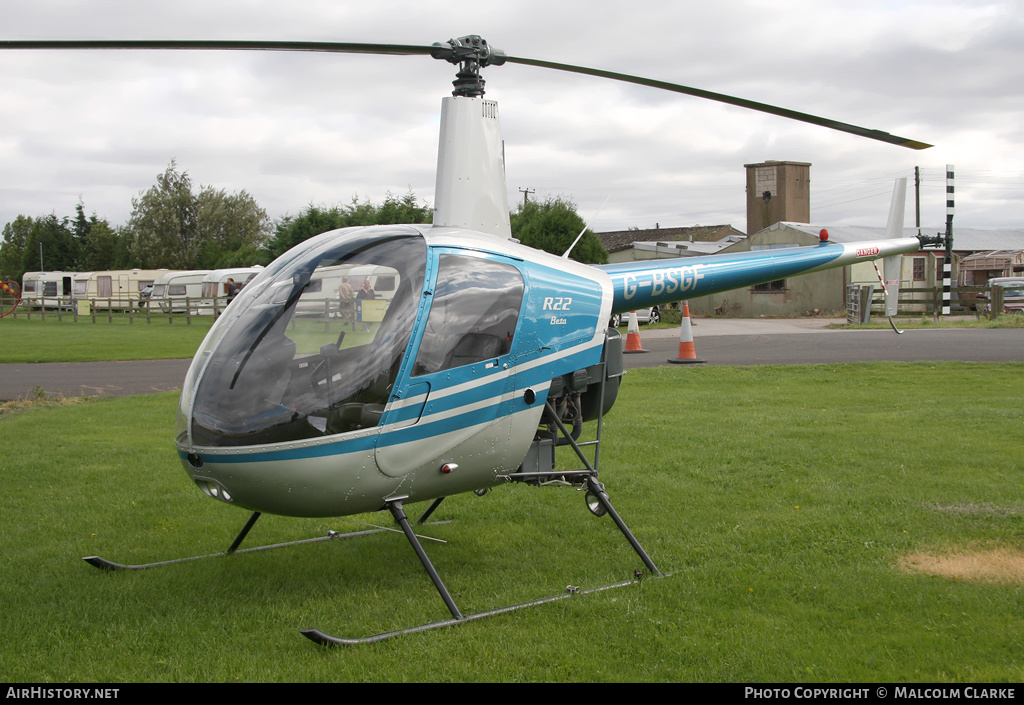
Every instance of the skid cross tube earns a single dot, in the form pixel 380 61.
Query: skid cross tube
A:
pixel 598 490
pixel 244 532
pixel 395 506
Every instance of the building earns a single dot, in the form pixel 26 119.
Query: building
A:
pixel 777 192
pixel 661 243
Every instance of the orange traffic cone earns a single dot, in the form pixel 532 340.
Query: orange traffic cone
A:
pixel 633 344
pixel 687 353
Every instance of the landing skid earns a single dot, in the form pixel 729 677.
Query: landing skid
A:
pixel 327 640
pixel 104 564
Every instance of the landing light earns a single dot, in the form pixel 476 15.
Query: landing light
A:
pixel 214 490
pixel 594 504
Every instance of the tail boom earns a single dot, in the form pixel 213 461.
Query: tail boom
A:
pixel 639 285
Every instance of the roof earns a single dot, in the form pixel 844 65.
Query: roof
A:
pixel 964 239
pixel 687 248
pixel 622 239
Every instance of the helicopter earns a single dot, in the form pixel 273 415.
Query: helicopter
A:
pixel 370 368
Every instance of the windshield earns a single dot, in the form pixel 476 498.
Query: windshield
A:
pixel 317 347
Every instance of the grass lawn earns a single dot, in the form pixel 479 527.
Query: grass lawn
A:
pixel 822 523
pixel 916 322
pixel 36 340
pixel 52 340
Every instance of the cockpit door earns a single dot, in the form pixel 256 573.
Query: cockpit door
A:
pixel 457 395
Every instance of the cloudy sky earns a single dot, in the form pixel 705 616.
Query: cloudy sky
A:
pixel 293 129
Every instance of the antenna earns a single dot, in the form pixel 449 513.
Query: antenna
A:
pixel 585 226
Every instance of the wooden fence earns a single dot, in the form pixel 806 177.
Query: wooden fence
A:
pixel 928 300
pixel 110 308
pixel 187 308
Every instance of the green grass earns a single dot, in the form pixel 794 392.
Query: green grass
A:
pixel 780 500
pixel 52 340
pixel 919 322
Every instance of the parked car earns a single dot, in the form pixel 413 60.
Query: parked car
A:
pixel 643 315
pixel 1013 294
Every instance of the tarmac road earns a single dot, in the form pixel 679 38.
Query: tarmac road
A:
pixel 717 341
pixel 810 340
pixel 88 379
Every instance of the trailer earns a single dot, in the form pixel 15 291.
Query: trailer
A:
pixel 215 287
pixel 47 289
pixel 120 289
pixel 335 291
pixel 179 291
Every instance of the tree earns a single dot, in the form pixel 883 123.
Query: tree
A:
pixel 100 247
pixel 15 236
pixel 52 237
pixel 163 224
pixel 235 229
pixel 291 230
pixel 170 226
pixel 552 226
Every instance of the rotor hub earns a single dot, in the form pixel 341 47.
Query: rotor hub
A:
pixel 471 53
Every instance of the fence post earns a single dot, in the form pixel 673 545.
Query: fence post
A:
pixel 996 297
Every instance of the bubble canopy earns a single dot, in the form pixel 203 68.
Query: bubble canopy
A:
pixel 312 346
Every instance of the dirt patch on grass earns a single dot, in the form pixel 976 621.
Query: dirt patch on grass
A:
pixel 978 509
pixel 39 400
pixel 995 565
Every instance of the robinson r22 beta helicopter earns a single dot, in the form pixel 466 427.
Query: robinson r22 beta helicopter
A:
pixel 467 359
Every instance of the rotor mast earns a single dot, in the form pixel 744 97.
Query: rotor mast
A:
pixel 470 190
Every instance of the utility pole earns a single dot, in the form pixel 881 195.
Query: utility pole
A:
pixel 526 194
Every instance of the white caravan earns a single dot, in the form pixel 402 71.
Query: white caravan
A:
pixel 121 289
pixel 215 286
pixel 47 289
pixel 324 293
pixel 177 292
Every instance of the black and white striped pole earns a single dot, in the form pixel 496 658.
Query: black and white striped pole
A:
pixel 947 265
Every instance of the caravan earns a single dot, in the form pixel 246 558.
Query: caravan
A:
pixel 120 289
pixel 336 292
pixel 47 289
pixel 215 287
pixel 177 292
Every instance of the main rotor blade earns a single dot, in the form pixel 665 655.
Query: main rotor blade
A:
pixel 217 44
pixel 731 100
pixel 412 49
